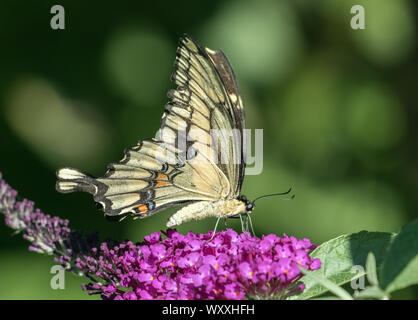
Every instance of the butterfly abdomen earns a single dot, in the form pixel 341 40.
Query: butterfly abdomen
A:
pixel 205 209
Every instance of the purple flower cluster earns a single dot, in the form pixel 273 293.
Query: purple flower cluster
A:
pixel 46 234
pixel 41 230
pixel 230 266
pixel 167 265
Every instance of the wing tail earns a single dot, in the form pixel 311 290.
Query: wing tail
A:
pixel 73 180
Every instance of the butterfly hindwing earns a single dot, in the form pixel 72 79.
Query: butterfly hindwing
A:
pixel 147 180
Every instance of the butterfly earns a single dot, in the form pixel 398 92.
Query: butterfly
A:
pixel 181 167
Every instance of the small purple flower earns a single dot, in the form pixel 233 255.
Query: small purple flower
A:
pixel 315 264
pixel 144 277
pixel 234 291
pixel 153 238
pixel 158 251
pixel 131 295
pixel 245 270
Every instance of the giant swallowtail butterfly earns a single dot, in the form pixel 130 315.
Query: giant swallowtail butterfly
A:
pixel 180 167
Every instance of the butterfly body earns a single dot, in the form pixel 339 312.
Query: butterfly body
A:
pixel 206 209
pixel 197 159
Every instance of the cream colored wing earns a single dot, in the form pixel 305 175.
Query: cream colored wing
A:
pixel 206 110
pixel 147 180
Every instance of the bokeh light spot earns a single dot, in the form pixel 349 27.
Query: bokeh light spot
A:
pixel 260 38
pixel 138 64
pixel 374 118
pixel 389 34
pixel 308 114
pixel 51 125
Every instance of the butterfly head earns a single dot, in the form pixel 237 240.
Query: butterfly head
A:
pixel 249 206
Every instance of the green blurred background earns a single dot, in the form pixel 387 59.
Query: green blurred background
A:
pixel 337 107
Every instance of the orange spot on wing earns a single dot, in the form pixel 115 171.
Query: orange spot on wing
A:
pixel 143 208
pixel 161 183
pixel 161 176
pixel 162 180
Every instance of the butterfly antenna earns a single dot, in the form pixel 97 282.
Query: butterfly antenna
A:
pixel 276 194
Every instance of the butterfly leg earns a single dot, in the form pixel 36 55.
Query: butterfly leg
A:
pixel 214 230
pixel 242 223
pixel 251 224
pixel 248 224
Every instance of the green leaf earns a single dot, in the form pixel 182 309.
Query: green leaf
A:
pixel 371 269
pixel 339 257
pixel 400 268
pixel 335 289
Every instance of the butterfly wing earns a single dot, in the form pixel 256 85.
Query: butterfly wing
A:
pixel 180 166
pixel 147 180
pixel 208 101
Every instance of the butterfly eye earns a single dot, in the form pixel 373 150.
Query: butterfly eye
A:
pixel 249 207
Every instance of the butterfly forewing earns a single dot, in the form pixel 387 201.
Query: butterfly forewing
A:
pixel 209 96
pixel 236 109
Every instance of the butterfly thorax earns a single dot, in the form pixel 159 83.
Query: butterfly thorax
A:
pixel 204 209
